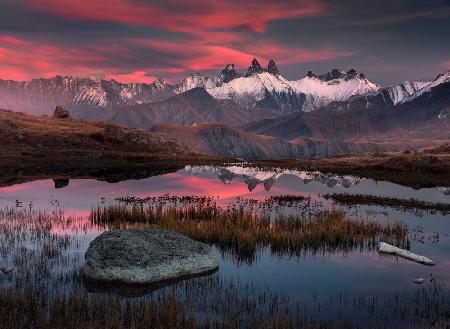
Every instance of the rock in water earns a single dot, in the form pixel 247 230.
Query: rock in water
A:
pixel 61 113
pixel 384 247
pixel 146 256
pixel 418 280
pixel 60 182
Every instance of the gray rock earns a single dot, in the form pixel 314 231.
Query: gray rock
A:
pixel 60 113
pixel 418 280
pixel 145 256
pixel 384 247
pixel 6 270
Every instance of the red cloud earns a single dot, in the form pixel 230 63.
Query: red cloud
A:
pixel 181 16
pixel 17 62
pixel 21 59
pixel 139 76
pixel 198 55
pixel 446 65
pixel 220 32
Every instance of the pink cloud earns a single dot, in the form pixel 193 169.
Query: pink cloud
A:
pixel 131 77
pixel 220 32
pixel 446 65
pixel 199 55
pixel 103 61
pixel 181 16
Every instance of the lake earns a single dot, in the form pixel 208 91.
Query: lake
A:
pixel 359 286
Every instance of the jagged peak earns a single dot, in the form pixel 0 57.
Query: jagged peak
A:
pixel 254 68
pixel 229 73
pixel 336 73
pixel 272 68
pixel 160 82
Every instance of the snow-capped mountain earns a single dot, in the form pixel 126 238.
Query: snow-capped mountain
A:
pixel 333 86
pixel 402 91
pixel 440 79
pixel 257 88
pixel 195 80
pixel 84 97
pixel 267 88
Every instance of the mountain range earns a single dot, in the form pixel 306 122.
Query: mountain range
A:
pixel 257 113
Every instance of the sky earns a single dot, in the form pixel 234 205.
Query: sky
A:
pixel 141 40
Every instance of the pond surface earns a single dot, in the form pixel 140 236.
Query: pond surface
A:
pixel 357 285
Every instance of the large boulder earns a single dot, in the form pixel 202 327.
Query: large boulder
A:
pixel 60 113
pixel 144 256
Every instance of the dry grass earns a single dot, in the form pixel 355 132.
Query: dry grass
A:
pixel 247 225
pixel 399 204
pixel 46 290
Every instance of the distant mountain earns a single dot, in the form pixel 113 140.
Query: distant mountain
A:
pixel 316 116
pixel 195 80
pixel 217 139
pixel 266 88
pixel 257 87
pixel 398 93
pixel 191 107
pixel 423 115
pixel 333 86
pixel 84 98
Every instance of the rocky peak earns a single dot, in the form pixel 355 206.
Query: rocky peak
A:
pixel 272 68
pixel 310 74
pixel 255 68
pixel 160 84
pixel 229 73
pixel 351 73
pixel 338 74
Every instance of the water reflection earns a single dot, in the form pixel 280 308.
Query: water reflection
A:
pixel 334 282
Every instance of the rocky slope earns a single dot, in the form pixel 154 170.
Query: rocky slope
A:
pixel 423 117
pixel 191 107
pixel 217 139
pixel 63 142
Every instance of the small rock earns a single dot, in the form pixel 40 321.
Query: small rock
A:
pixel 60 113
pixel 418 280
pixel 95 154
pixel 6 270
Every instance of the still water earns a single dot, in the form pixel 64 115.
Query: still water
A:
pixel 324 286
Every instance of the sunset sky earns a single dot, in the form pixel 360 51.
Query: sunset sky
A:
pixel 139 40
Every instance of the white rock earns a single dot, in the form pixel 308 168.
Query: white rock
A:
pixel 384 247
pixel 418 280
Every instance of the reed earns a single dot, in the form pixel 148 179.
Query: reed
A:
pixel 244 226
pixel 46 290
pixel 414 205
